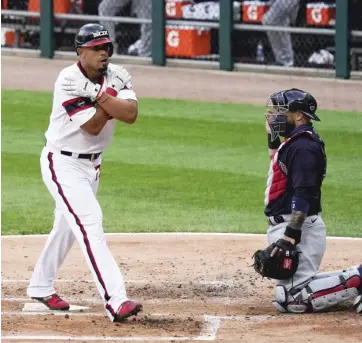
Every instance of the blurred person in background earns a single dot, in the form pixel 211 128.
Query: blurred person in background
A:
pixel 355 14
pixel 143 10
pixel 281 13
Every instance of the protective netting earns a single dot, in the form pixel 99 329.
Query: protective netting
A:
pixel 284 48
pixel 254 46
pixel 18 31
pixel 130 38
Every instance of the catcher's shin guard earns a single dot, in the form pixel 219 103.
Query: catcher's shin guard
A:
pixel 323 292
pixel 326 292
pixel 286 303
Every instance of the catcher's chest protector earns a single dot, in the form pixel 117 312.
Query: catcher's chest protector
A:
pixel 278 170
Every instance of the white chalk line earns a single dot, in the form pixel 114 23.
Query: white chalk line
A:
pixel 210 327
pixel 208 331
pixel 226 234
pixel 109 339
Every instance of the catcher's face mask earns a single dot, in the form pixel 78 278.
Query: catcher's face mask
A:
pixel 277 117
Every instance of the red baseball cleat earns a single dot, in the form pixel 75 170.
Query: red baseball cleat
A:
pixel 127 309
pixel 54 302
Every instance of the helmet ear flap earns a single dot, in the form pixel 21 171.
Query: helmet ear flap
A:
pixel 295 105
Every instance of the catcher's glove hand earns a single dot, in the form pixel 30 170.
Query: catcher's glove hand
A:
pixel 282 265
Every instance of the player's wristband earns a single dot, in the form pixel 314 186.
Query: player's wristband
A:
pixel 111 91
pixel 273 144
pixel 102 97
pixel 293 233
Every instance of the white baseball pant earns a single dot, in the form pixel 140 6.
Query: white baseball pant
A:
pixel 73 184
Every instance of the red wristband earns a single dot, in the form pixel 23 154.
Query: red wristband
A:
pixel 111 91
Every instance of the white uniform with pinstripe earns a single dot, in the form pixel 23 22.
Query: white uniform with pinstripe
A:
pixel 73 183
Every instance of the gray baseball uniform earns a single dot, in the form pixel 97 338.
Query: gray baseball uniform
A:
pixel 313 245
pixel 281 13
pixel 299 167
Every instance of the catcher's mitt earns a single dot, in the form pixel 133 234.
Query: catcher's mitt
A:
pixel 282 265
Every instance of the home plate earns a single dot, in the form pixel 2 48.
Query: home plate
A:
pixel 38 307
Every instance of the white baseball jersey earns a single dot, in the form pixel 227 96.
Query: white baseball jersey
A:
pixel 69 113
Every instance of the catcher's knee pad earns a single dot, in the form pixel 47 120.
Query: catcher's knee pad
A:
pixel 284 302
pixel 329 291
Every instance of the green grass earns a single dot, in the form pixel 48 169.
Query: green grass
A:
pixel 183 166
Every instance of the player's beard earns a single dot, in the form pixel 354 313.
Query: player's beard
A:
pixel 103 70
pixel 289 128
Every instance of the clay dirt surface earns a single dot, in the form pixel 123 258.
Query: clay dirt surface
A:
pixel 185 282
pixel 193 287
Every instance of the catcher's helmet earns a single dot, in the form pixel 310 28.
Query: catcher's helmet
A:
pixel 92 35
pixel 294 100
pixel 291 100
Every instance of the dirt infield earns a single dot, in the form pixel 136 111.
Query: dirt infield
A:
pixel 193 84
pixel 193 287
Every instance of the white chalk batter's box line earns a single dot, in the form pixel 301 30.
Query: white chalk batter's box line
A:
pixel 104 339
pixel 208 332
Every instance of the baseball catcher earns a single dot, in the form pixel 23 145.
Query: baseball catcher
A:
pixel 296 233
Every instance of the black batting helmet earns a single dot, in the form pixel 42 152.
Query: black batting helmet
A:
pixel 92 35
pixel 294 100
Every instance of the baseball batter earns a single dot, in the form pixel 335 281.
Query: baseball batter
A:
pixel 89 96
pixel 293 209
